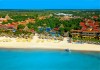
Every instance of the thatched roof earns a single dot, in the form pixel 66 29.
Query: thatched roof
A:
pixel 26 28
pixel 66 34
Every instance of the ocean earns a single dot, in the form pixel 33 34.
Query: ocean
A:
pixel 48 60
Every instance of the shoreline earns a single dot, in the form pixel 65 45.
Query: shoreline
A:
pixel 48 45
pixel 29 49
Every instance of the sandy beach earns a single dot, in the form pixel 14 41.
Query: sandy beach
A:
pixel 36 43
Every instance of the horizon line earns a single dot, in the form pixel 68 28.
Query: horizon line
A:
pixel 49 9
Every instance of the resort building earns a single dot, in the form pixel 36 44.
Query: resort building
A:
pixel 8 26
pixel 90 29
pixel 65 18
pixel 5 19
pixel 44 17
pixel 2 20
pixel 30 20
pixel 63 14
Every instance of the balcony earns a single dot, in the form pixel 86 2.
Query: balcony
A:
pixel 75 33
pixel 88 34
pixel 99 35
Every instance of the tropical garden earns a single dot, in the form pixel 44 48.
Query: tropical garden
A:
pixel 47 26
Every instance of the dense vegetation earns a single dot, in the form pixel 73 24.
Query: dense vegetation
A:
pixel 52 22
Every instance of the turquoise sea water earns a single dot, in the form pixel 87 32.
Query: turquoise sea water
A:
pixel 48 60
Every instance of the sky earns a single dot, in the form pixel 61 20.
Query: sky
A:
pixel 49 4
